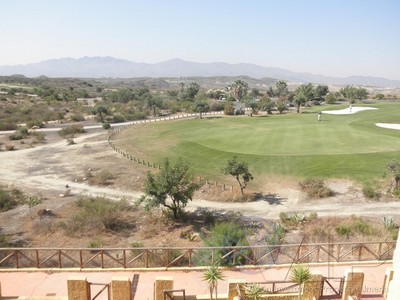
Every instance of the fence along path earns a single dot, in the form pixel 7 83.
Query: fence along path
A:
pixel 149 164
pixel 163 257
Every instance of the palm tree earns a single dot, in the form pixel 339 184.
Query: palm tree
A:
pixel 281 88
pixel 212 274
pixel 300 274
pixel 303 93
pixel 239 89
pixel 254 291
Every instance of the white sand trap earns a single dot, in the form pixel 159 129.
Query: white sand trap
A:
pixel 388 125
pixel 347 111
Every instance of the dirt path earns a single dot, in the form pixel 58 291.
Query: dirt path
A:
pixel 52 166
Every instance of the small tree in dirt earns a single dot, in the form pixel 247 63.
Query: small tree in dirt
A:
pixel 100 110
pixel 300 274
pixel 171 188
pixel 240 171
pixel 394 167
pixel 212 274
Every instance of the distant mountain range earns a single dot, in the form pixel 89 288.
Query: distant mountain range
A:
pixel 98 67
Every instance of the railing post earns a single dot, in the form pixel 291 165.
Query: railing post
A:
pixel 147 258
pixel 124 257
pixel 59 259
pixel 359 252
pixel 102 259
pixel 37 258
pixel 81 258
pixel 16 259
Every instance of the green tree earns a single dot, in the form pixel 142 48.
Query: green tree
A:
pixel 100 110
pixel 171 188
pixel 239 89
pixel 240 170
pixel 212 275
pixel 321 91
pixel 352 93
pixel 300 274
pixel 303 94
pixel 154 103
pixel 255 92
pixel 201 107
pixel 281 88
pixel 191 91
pixel 330 98
pixel 266 104
pixel 394 168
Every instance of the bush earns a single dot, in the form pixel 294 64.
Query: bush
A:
pixel 77 117
pixel 370 192
pixel 98 214
pixel 227 234
pixel 118 119
pixel 363 227
pixel 315 188
pixel 343 230
pixel 229 109
pixel 69 131
pixel 34 123
pixel 19 134
pixel 9 198
pixel 106 126
pixel 39 136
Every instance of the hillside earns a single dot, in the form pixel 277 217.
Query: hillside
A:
pixel 98 67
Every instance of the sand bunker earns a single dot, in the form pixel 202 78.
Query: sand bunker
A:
pixel 347 111
pixel 388 125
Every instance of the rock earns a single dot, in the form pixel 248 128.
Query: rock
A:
pixel 61 195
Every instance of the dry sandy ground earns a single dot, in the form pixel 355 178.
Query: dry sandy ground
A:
pixel 49 167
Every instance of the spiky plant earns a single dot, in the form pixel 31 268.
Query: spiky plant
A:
pixel 254 291
pixel 300 274
pixel 212 275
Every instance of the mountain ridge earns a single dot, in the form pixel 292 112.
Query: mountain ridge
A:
pixel 107 66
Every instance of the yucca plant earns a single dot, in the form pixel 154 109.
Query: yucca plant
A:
pixel 300 274
pixel 212 275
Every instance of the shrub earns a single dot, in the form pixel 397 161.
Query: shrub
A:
pixel 315 188
pixel 106 126
pixel 363 227
pixel 20 133
pixel 118 119
pixel 77 117
pixel 370 192
pixel 71 130
pixel 39 136
pixel 227 234
pixel 229 109
pixel 98 214
pixel 33 123
pixel 9 198
pixel 343 230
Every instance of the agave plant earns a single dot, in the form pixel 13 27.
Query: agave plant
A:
pixel 389 223
pixel 254 291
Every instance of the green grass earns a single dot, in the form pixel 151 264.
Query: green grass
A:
pixel 340 146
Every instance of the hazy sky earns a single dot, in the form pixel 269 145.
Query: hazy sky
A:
pixel 329 37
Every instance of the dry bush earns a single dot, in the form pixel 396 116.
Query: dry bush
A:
pixel 316 188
